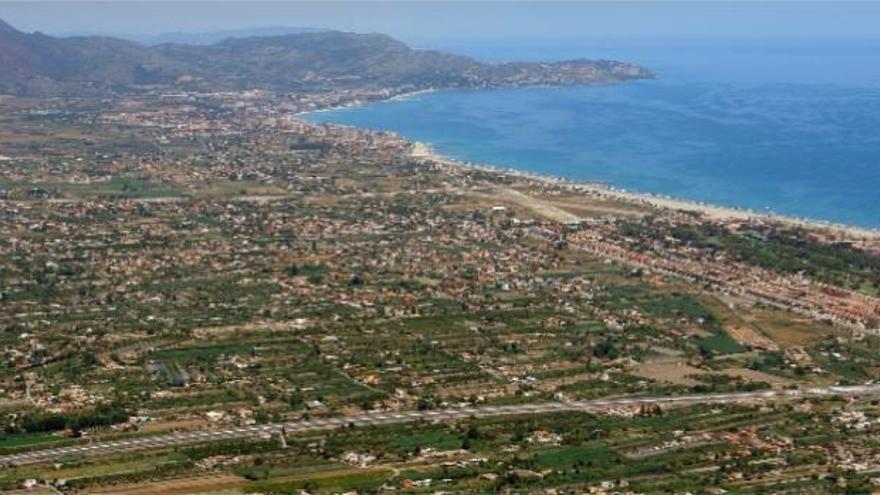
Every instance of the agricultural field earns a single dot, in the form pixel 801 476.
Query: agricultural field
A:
pixel 199 281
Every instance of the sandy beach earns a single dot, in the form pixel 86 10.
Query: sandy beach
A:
pixel 424 151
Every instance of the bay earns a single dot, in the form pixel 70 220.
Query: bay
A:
pixel 782 126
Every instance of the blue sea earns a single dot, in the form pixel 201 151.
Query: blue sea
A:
pixel 787 126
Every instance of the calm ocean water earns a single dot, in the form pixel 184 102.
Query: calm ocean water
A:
pixel 786 126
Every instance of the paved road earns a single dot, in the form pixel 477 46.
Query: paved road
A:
pixel 379 418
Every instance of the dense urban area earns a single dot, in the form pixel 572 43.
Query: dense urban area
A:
pixel 200 292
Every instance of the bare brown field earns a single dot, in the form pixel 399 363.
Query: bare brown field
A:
pixel 786 329
pixel 775 381
pixel 172 425
pixel 674 372
pixel 748 336
pixel 213 483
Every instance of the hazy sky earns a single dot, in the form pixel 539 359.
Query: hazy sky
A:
pixel 417 20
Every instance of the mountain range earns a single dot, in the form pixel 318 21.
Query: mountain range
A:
pixel 38 64
pixel 211 37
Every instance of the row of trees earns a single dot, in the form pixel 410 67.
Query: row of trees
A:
pixel 104 415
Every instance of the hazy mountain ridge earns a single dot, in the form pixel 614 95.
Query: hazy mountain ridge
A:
pixel 37 64
pixel 41 64
pixel 211 37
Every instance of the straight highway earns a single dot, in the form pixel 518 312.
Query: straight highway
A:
pixel 389 417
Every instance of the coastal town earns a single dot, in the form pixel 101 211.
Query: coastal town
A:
pixel 199 263
pixel 203 292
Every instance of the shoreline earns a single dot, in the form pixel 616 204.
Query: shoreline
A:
pixel 359 103
pixel 425 151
